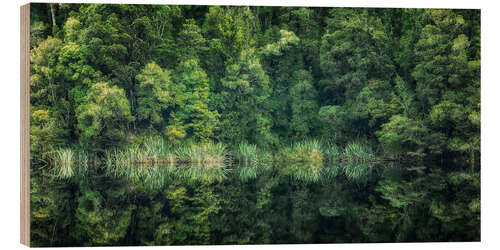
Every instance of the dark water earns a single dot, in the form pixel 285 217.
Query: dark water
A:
pixel 258 203
pixel 383 202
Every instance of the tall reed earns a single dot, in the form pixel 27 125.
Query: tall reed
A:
pixel 207 154
pixel 303 161
pixel 304 151
pixel 252 161
pixel 246 152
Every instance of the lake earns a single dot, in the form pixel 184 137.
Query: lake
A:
pixel 261 202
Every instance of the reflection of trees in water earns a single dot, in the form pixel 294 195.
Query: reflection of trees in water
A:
pixel 254 202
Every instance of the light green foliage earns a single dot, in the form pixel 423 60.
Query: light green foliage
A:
pixel 44 74
pixel 153 93
pixel 246 89
pixel 442 75
pixel 304 22
pixel 176 130
pixel 104 114
pixel 93 220
pixel 293 89
pixel 102 32
pixel 402 134
pixel 188 216
pixel 403 98
pixel 285 42
pixel 333 122
pixel 228 31
pixel 192 43
pixel 199 120
pixel 42 128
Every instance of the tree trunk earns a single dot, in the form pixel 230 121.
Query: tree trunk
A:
pixel 53 13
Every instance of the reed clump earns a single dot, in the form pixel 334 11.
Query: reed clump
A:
pixel 246 153
pixel 208 154
pixel 305 151
pixel 252 161
pixel 304 160
pixel 135 165
pixel 153 151
pixel 156 151
pixel 154 160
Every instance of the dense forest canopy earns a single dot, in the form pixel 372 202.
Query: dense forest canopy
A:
pixel 402 83
pixel 407 79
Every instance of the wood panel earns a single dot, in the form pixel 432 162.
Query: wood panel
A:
pixel 25 125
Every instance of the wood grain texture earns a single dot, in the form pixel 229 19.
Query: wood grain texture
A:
pixel 25 125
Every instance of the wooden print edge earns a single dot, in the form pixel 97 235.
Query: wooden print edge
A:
pixel 25 125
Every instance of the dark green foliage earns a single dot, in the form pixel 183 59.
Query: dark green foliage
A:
pixel 262 75
pixel 289 118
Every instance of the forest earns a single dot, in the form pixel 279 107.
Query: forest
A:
pixel 182 125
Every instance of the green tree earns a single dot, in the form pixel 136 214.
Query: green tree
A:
pixel 104 115
pixel 192 81
pixel 246 114
pixel 282 60
pixel 304 105
pixel 446 79
pixel 404 135
pixel 228 30
pixel 153 94
pixel 356 61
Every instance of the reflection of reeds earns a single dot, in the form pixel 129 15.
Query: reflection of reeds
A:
pixel 332 170
pixel 246 152
pixel 358 152
pixel 305 172
pixel 357 171
pixel 69 162
pixel 331 152
pixel 303 160
pixel 63 163
pixel 154 160
pixel 252 161
pixel 252 158
pixel 200 173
